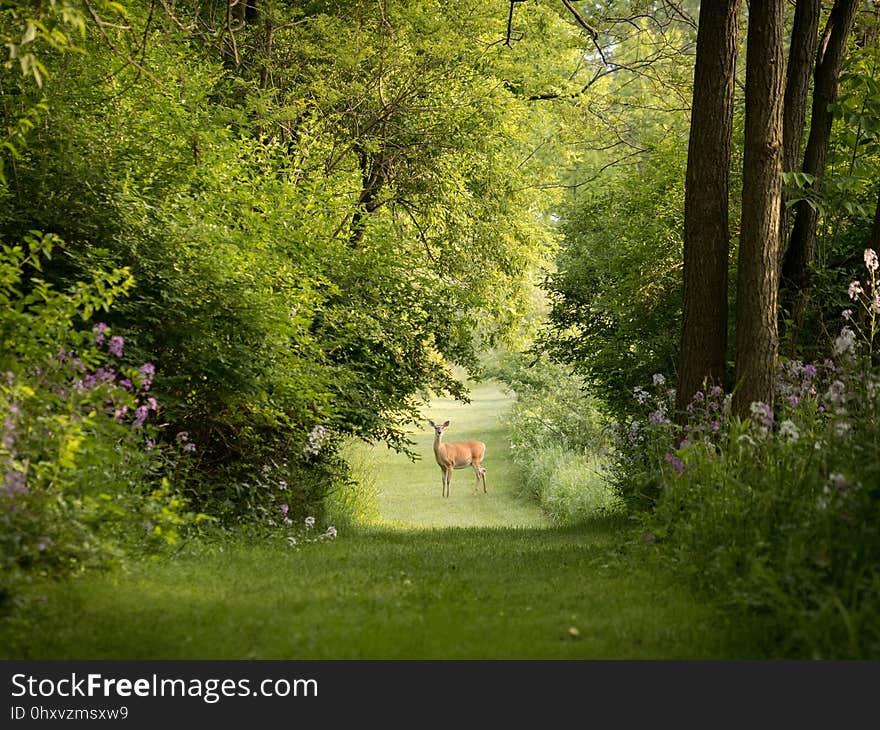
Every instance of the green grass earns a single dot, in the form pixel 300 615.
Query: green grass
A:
pixel 473 576
pixel 409 493
pixel 458 593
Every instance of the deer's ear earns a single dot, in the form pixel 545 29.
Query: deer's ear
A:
pixel 432 424
pixel 445 424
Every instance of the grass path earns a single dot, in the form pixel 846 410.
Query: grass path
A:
pixel 409 493
pixel 469 577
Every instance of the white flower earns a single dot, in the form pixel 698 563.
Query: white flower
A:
pixel 310 523
pixel 836 392
pixel 845 341
pixel 659 379
pixel 640 394
pixel 871 259
pixel 331 532
pixel 788 431
pixel 847 314
pixel 855 288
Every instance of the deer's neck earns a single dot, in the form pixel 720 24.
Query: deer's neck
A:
pixel 439 446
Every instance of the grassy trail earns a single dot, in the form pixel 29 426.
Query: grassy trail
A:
pixel 409 493
pixel 493 582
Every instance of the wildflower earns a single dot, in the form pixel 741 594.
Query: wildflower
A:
pixel 140 415
pixel 44 543
pixel 125 383
pixel 810 371
pixel 788 432
pixel 838 481
pixel 189 447
pixel 182 436
pixel 716 391
pixel 659 379
pixel 115 346
pixel 152 403
pixel 147 371
pixel 13 483
pixel 149 445
pixel 291 540
pixel 316 438
pixel 99 331
pixel 871 261
pixel 836 393
pixel 640 394
pixel 845 342
pixel 855 288
pixel 793 401
pixel 674 462
pixel 875 303
pixel 763 414
pixel 285 508
pixel 658 419
pixel 331 532
pixel 846 314
pixel 310 522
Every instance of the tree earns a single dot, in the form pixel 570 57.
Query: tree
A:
pixel 706 234
pixel 802 246
pixel 801 54
pixel 757 274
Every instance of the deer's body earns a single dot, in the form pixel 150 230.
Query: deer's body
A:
pixel 458 456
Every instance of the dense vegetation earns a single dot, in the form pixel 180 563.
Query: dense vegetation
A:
pixel 238 235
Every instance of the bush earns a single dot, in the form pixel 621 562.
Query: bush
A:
pixel 555 437
pixel 82 475
pixel 780 513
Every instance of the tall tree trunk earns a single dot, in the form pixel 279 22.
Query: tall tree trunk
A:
pixel 706 228
pixel 801 250
pixel 757 276
pixel 801 57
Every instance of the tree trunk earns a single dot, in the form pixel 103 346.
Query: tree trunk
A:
pixel 802 245
pixel 706 228
pixel 757 276
pixel 801 56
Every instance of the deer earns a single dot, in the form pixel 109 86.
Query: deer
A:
pixel 458 456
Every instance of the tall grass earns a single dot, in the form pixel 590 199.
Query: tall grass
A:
pixel 556 439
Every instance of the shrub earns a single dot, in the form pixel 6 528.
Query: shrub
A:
pixel 555 435
pixel 779 512
pixel 82 476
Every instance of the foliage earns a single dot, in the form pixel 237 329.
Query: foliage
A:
pixel 779 512
pixel 315 204
pixel 82 476
pixel 615 296
pixel 555 437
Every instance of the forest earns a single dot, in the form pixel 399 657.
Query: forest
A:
pixel 248 248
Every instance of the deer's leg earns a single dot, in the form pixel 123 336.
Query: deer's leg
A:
pixel 448 480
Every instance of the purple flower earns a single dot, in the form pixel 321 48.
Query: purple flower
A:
pixel 149 444
pixel 189 447
pixel 153 404
pixel 793 401
pixel 140 415
pixel 147 371
pixel 675 462
pixel 99 330
pixel 182 436
pixel 716 391
pixel 125 383
pixel 13 483
pixel 115 346
pixel 284 509
pixel 44 543
pixel 810 371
